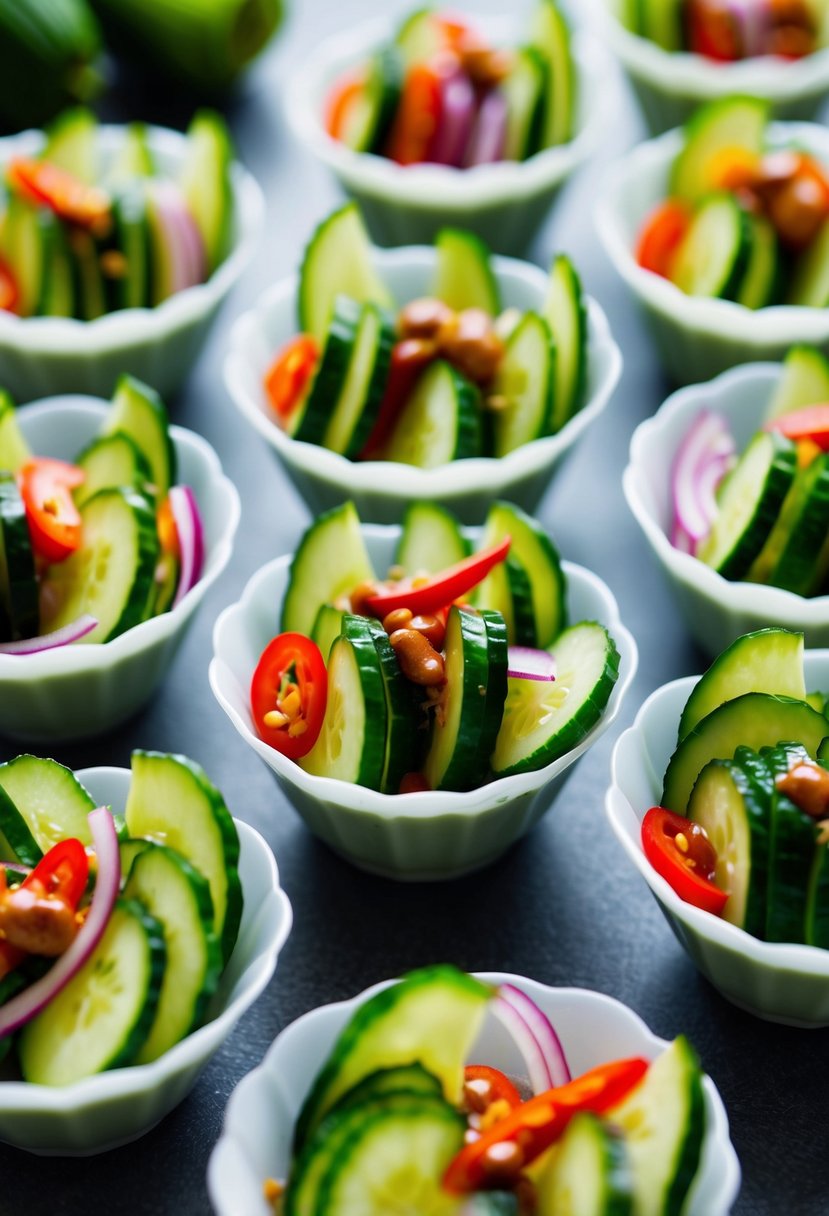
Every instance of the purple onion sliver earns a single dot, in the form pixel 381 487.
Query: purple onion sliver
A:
pixel 190 532
pixel 168 208
pixel 486 143
pixel 28 1003
pixel 682 541
pixel 457 117
pixel 753 20
pixel 50 641
pixel 527 663
pixel 516 1026
pixel 543 1030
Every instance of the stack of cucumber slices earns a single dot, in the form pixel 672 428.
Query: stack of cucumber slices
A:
pixel 481 723
pixel 167 873
pixel 390 1111
pixel 126 565
pixel 374 396
pixel 747 724
pixel 85 230
pixel 754 220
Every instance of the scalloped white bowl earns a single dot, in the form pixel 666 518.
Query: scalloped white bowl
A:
pixel 381 489
pixel 780 982
pixel 670 85
pixel 256 1139
pixel 715 609
pixel 504 203
pixel 40 356
pixel 697 338
pixel 415 837
pixel 114 1107
pixel 77 691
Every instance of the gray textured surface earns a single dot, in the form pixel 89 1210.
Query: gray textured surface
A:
pixel 564 906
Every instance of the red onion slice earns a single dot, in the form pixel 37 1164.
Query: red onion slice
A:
pixel 527 663
pixel 541 1028
pixel 183 241
pixel 515 1024
pixel 457 117
pixel 190 530
pixel 753 21
pixel 703 458
pixel 28 1003
pixel 49 641
pixel 486 143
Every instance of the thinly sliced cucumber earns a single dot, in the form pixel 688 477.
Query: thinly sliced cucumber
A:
pixel 497 682
pixel 761 277
pixel 72 144
pixel 440 422
pixel 22 236
pixel 128 849
pixel 337 261
pixel 733 808
pixel 507 590
pixel 132 159
pixel 809 284
pixel 792 838
pixel 128 263
pixel 661 22
pixel 352 743
pixel 14 450
pixel 112 461
pixel 550 34
pixel 567 317
pixel 18 587
pixel 177 896
pixel 532 548
pixel 767 660
pixel 663 1122
pixel 754 720
pixel 804 380
pixel 310 419
pixel 714 253
pixel 103 1016
pixel 139 412
pixel 407 1078
pixel 454 758
pixel 419 37
pixel 794 557
pixel 327 627
pixel 90 288
pixel 330 562
pixel 715 128
pixel 589 1174
pixel 206 183
pixel 355 406
pixel 58 285
pixel 172 801
pixel 12 821
pixel 110 575
pixel 372 112
pixel 431 1017
pixel 524 88
pixel 749 502
pixel 524 386
pixel 463 276
pixel 430 540
pixel 546 719
pixel 50 802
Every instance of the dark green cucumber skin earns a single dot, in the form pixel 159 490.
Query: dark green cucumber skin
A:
pixel 20 596
pixel 147 557
pixel 372 761
pixel 409 1079
pixel 376 386
pixel 562 411
pixel 379 1006
pixel 162 461
pixel 497 683
pixel 469 432
pixel 463 770
pixel 158 956
pixel 532 549
pixel 14 831
pixel 520 591
pixel 730 289
pixel 796 568
pixel 791 850
pixel 816 921
pixel 388 74
pixel 688 1163
pixel 132 239
pixel 778 482
pixel 310 425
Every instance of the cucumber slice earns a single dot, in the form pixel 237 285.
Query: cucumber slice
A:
pixel 309 420
pixel 804 380
pixel 791 854
pixel 330 562
pixel 11 817
pixel 371 116
pixel 524 89
pixel 454 759
pixel 431 1017
pixel 353 410
pixel 14 450
pixel 714 255
pixel 128 264
pixel 749 502
pixel 351 744
pixel 525 384
pixel 132 159
pixel 139 412
pixel 110 574
pixel 206 183
pixel 18 587
pixel 112 461
pixel 327 628
pixel 532 548
pixel 104 1014
pixel 589 1173
pixel 463 276
pixel 23 251
pixel 90 288
pixel 567 317
pixel 337 261
pixel 663 1122
pixel 419 37
pixel 430 540
pixel 715 128
pixel 128 850
pixel 172 801
pixel 58 283
pixel 661 22
pixel 755 720
pixel 762 275
pixel 506 590
pixel 407 1079
pixel 733 807
pixel 178 897
pixel 50 805
pixel 544 720
pixel 72 144
pixel 793 557
pixel 497 682
pixel 440 422
pixel 767 660
pixel 809 284
pixel 550 34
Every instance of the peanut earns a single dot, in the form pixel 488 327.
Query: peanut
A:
pixel 418 659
